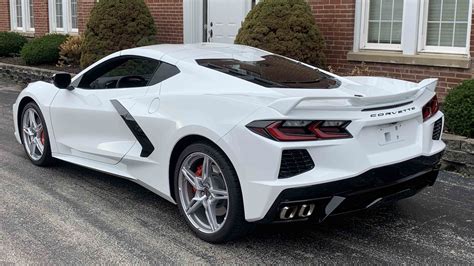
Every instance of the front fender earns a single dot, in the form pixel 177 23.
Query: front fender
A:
pixel 42 93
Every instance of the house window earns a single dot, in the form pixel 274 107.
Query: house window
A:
pixel 446 26
pixel 19 17
pixel 32 14
pixel 63 16
pixel 385 21
pixel 413 27
pixel 59 14
pixel 22 17
pixel 74 14
pixel 383 24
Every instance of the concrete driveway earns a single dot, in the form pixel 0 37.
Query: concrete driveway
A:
pixel 67 214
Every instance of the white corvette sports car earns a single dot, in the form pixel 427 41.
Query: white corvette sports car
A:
pixel 235 135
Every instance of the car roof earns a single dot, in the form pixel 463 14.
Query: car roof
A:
pixel 191 52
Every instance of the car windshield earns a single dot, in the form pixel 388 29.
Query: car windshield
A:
pixel 273 71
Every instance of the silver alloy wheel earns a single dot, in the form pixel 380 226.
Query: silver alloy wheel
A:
pixel 33 134
pixel 203 192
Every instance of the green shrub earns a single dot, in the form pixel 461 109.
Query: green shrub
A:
pixel 11 43
pixel 284 27
pixel 70 51
pixel 43 50
pixel 115 25
pixel 459 109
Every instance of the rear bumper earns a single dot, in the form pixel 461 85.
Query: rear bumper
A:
pixel 258 160
pixel 372 188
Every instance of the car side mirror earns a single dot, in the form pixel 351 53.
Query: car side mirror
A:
pixel 62 80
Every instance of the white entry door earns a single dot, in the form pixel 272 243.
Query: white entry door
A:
pixel 225 18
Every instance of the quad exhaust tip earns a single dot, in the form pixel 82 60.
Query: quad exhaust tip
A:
pixel 305 210
pixel 296 211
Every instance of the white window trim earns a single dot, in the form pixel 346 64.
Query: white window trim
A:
pixel 413 31
pixel 364 44
pixel 67 18
pixel 192 21
pixel 25 12
pixel 423 48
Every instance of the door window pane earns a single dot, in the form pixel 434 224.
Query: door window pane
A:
pixel 447 23
pixel 121 72
pixel 385 21
pixel 134 67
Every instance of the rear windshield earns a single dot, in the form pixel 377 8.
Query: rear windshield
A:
pixel 273 71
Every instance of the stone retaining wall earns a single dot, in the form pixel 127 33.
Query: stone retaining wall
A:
pixel 459 154
pixel 25 74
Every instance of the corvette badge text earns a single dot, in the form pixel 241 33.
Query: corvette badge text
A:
pixel 394 112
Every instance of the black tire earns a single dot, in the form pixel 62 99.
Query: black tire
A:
pixel 46 158
pixel 235 225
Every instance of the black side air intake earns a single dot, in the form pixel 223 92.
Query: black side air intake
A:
pixel 437 129
pixel 295 162
pixel 137 131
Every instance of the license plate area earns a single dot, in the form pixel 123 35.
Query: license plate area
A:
pixel 391 133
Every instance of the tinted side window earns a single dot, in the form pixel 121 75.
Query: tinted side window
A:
pixel 165 71
pixel 134 67
pixel 120 72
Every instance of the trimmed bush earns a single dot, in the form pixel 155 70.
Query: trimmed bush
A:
pixel 458 109
pixel 284 27
pixel 11 43
pixel 43 50
pixel 116 25
pixel 70 51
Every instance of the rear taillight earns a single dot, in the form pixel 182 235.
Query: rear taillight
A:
pixel 300 130
pixel 431 108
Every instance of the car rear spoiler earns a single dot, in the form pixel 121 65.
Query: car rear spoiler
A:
pixel 286 105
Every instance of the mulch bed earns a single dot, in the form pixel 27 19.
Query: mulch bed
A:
pixel 20 62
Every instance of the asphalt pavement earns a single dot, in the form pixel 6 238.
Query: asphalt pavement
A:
pixel 68 214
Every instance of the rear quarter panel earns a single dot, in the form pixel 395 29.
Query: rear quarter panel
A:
pixel 179 116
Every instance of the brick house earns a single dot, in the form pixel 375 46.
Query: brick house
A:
pixel 406 39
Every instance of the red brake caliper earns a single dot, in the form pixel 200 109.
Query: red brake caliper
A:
pixel 198 173
pixel 42 137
